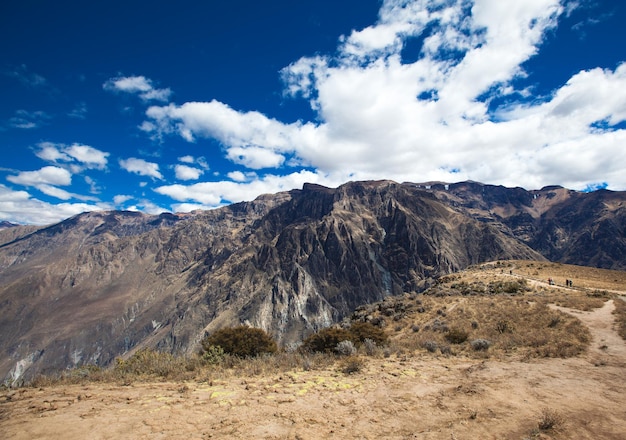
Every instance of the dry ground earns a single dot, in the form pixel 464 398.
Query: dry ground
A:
pixel 410 394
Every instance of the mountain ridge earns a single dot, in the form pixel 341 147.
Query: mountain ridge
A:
pixel 103 284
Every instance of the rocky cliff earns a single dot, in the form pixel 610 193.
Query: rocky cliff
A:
pixel 103 284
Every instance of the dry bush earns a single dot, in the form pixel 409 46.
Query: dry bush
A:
pixel 549 419
pixel 456 336
pixel 360 331
pixel 345 348
pixel 149 363
pixel 351 365
pixel 241 341
pixel 325 340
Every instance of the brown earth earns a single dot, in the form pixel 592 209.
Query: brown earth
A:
pixel 401 397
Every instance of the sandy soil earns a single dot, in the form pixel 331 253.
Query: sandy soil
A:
pixel 394 398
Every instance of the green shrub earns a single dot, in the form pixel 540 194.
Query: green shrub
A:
pixel 240 341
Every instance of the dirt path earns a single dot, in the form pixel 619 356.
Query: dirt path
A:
pixel 421 397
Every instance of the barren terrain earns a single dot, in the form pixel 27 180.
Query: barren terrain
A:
pixel 407 394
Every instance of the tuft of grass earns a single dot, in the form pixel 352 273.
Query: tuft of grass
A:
pixel 549 420
pixel 620 316
pixel 351 365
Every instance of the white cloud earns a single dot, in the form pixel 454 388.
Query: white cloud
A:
pixel 379 116
pixel 76 155
pixel 238 176
pixel 20 207
pixel 120 199
pixel 45 176
pixel 184 172
pixel 138 85
pixel 141 167
pixel 186 159
pixel 147 207
pixel 213 194
pixel 88 156
pixel 53 191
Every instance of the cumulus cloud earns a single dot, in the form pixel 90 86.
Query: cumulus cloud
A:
pixel 77 155
pixel 141 167
pixel 216 193
pixel 138 85
pixel 184 172
pixel 45 176
pixel 379 115
pixel 20 207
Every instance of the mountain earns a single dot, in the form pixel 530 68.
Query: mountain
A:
pixel 103 284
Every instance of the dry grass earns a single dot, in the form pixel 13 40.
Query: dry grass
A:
pixel 490 310
pixel 154 366
pixel 620 317
pixel 549 420
pixel 508 325
pixel 582 277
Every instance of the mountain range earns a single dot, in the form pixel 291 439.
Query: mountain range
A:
pixel 105 284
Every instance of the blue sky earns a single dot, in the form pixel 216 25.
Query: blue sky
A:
pixel 175 106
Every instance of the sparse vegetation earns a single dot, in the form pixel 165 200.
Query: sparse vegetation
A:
pixel 620 316
pixel 345 348
pixel 480 344
pixel 325 340
pixel 443 323
pixel 241 341
pixel 549 419
pixel 456 336
pixel 351 365
pixel 515 321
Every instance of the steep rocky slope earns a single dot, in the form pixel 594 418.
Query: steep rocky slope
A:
pixel 101 285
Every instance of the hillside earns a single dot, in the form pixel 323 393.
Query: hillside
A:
pixel 106 284
pixel 518 388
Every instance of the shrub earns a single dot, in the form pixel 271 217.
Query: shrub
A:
pixel 326 339
pixel 352 364
pixel 456 336
pixel 504 326
pixel 149 362
pixel 480 344
pixel 241 341
pixel 549 419
pixel 431 346
pixel 213 355
pixel 370 347
pixel 346 348
pixel 360 331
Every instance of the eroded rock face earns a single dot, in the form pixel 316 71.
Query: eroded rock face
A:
pixel 103 284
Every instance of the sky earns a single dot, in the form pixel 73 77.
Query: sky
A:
pixel 176 106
